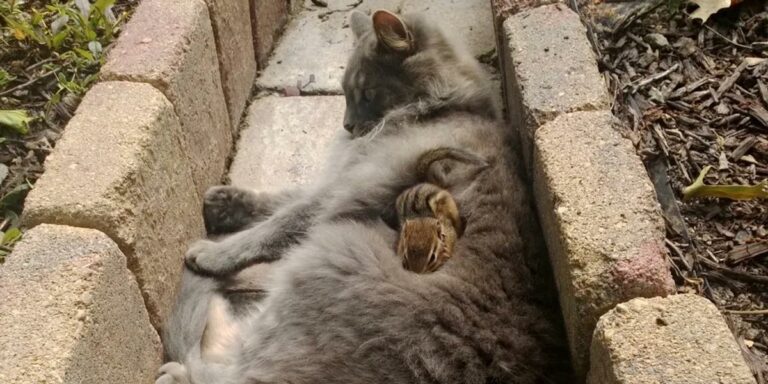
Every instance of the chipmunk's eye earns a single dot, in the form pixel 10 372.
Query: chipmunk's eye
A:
pixel 432 257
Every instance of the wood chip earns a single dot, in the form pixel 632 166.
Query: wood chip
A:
pixel 743 147
pixel 745 252
pixel 760 114
pixel 731 80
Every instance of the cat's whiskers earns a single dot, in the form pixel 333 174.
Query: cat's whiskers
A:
pixel 376 130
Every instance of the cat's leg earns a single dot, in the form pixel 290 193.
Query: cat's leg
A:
pixel 446 167
pixel 228 209
pixel 172 373
pixel 263 242
pixel 449 167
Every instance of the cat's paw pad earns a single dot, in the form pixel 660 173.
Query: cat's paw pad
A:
pixel 172 373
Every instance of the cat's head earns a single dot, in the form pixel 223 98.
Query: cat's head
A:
pixel 402 60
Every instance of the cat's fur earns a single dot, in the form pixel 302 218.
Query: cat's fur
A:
pixel 339 307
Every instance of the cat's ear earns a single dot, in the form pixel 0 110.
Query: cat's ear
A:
pixel 392 32
pixel 360 23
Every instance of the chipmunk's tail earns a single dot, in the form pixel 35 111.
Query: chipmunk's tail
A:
pixel 201 333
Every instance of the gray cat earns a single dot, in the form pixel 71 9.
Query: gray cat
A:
pixel 339 307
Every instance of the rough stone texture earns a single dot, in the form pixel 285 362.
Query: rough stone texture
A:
pixel 320 46
pixel 285 141
pixel 601 221
pixel 295 6
pixel 119 168
pixel 71 312
pixel 178 56
pixel 234 39
pixel 681 339
pixel 268 17
pixel 549 69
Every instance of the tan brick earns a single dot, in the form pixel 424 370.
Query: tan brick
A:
pixel 234 39
pixel 268 18
pixel 681 339
pixel 170 44
pixel 71 312
pixel 601 221
pixel 549 69
pixel 119 168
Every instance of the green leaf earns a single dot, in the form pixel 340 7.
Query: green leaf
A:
pixel 59 38
pixel 16 119
pixel 84 54
pixel 14 197
pixel 11 236
pixel 102 5
pixel 5 78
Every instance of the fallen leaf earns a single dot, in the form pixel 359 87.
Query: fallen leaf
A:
pixel 733 192
pixel 16 119
pixel 708 8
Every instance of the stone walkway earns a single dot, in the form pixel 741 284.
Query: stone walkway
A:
pixel 285 139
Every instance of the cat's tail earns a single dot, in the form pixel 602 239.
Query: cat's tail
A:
pixel 201 334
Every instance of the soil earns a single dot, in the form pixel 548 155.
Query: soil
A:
pixel 694 95
pixel 35 68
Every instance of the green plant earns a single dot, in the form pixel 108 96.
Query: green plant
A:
pixel 67 38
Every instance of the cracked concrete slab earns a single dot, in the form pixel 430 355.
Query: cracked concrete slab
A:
pixel 318 41
pixel 285 141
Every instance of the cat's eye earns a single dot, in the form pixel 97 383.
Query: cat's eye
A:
pixel 369 94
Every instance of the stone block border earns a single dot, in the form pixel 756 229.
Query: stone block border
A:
pixel 85 292
pixel 120 200
pixel 601 221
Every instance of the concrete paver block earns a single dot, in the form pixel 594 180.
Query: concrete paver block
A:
pixel 119 168
pixel 268 18
pixel 178 56
pixel 550 69
pixel 681 339
pixel 318 43
pixel 71 312
pixel 234 39
pixel 469 22
pixel 286 141
pixel 601 221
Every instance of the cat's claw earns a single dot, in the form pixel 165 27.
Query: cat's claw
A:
pixel 172 373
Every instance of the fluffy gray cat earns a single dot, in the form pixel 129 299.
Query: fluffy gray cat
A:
pixel 338 306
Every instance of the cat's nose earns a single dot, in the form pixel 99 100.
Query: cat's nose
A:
pixel 349 126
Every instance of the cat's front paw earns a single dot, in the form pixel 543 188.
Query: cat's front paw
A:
pixel 228 209
pixel 208 257
pixel 172 373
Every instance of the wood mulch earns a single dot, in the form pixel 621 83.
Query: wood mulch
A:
pixel 692 96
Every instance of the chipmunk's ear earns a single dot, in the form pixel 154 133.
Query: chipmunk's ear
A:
pixel 392 32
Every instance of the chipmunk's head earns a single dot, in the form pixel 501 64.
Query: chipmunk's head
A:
pixel 425 244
